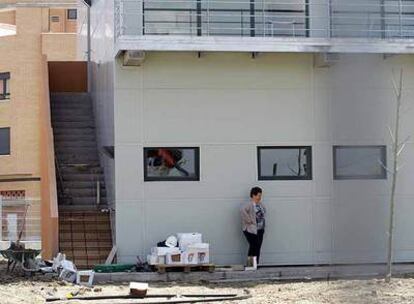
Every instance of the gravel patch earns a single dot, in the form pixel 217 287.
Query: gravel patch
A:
pixel 18 289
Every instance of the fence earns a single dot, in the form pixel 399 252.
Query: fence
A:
pixel 20 217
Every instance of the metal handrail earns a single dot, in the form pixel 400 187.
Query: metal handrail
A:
pixel 62 192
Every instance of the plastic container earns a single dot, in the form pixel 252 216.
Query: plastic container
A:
pixel 113 268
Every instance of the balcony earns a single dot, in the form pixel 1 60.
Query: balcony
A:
pixel 373 26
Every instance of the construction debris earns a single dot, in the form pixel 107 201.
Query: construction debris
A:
pixel 158 298
pixel 138 289
pixel 185 249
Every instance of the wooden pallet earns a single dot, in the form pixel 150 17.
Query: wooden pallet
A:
pixel 163 268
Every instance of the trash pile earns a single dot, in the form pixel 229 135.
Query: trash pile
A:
pixel 180 249
pixel 67 271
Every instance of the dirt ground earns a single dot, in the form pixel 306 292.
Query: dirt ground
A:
pixel 18 289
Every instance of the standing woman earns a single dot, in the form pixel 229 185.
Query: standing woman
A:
pixel 253 223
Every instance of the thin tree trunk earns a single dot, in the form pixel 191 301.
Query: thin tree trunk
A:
pixel 395 150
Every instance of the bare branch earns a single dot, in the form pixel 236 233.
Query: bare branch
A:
pixel 394 86
pixel 391 134
pixel 406 140
pixel 401 149
pixel 385 167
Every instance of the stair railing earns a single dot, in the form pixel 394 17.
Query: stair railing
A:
pixel 98 192
pixel 62 193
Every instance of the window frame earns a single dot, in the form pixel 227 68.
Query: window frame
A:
pixel 68 17
pixel 383 150
pixel 9 153
pixel 309 160
pixel 5 78
pixel 173 178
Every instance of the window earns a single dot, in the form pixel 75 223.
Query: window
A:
pixel 4 86
pixel 72 14
pixel 54 18
pixel 4 141
pixel 359 162
pixel 171 164
pixel 285 163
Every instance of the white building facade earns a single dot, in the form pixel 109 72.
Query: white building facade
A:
pixel 203 100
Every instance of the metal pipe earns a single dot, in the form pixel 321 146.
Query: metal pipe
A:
pixel 98 192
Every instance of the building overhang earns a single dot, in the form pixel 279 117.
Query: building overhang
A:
pixel 262 44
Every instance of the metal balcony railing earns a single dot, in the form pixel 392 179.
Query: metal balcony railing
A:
pixel 381 19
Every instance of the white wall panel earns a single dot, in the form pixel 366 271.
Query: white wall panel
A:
pixel 228 104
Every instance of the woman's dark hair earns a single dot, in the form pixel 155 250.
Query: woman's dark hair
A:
pixel 255 191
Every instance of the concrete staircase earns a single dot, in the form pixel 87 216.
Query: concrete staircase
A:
pixel 85 232
pixel 85 237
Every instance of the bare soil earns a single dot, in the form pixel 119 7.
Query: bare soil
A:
pixel 19 289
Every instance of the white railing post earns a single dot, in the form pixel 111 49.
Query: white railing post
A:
pixel 208 17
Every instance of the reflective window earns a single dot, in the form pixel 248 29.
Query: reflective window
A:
pixel 72 14
pixel 285 163
pixel 359 162
pixel 171 164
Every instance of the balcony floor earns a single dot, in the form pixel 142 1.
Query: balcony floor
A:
pixel 264 44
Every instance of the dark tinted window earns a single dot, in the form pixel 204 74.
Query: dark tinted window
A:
pixel 4 141
pixel 171 164
pixel 4 85
pixel 285 163
pixel 359 162
pixel 72 14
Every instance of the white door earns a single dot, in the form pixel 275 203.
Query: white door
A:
pixel 12 226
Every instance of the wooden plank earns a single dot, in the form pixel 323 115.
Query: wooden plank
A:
pixel 111 255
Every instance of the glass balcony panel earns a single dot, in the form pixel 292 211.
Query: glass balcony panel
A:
pixel 379 19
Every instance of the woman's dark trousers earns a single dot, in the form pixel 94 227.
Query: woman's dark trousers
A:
pixel 255 243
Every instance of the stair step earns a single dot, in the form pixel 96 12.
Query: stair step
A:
pixel 85 200
pixel 70 106
pixel 80 237
pixel 81 184
pixel 71 158
pixel 75 143
pixel 85 225
pixel 83 177
pixel 83 214
pixel 62 111
pixel 63 138
pixel 70 101
pixel 73 124
pixel 87 245
pixel 71 118
pixel 75 150
pixel 69 95
pixel 74 220
pixel 64 133
pixel 86 192
pixel 80 169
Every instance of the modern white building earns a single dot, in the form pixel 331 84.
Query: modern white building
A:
pixel 203 99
